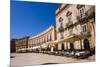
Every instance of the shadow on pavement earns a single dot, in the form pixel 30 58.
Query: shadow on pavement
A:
pixel 49 63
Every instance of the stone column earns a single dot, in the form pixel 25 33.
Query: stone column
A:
pixel 82 44
pixel 59 46
pixel 52 49
pixel 65 46
pixel 68 45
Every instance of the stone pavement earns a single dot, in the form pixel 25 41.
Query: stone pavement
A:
pixel 21 59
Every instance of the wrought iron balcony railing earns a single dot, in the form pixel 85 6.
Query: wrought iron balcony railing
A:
pixel 85 33
pixel 69 24
pixel 88 15
pixel 82 19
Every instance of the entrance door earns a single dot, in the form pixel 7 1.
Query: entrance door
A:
pixel 71 46
pixel 62 46
pixel 86 44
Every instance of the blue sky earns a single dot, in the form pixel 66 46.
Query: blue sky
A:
pixel 31 18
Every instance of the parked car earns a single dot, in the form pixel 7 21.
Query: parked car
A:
pixel 82 54
pixel 66 53
pixel 56 53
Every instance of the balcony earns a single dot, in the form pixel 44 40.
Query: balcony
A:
pixel 73 37
pixel 88 15
pixel 86 34
pixel 82 19
pixel 69 24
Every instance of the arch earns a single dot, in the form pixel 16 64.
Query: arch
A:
pixel 62 46
pixel 86 44
pixel 71 46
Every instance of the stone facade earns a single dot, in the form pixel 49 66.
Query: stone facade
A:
pixel 41 40
pixel 21 44
pixel 12 46
pixel 75 26
pixel 75 30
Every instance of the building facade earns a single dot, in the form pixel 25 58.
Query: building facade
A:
pixel 75 30
pixel 12 46
pixel 75 26
pixel 42 40
pixel 22 44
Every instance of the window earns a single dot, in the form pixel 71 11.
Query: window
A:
pixel 60 21
pixel 61 24
pixel 84 28
pixel 81 9
pixel 69 18
pixel 69 15
pixel 82 12
pixel 60 28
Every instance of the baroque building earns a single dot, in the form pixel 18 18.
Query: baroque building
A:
pixel 75 26
pixel 75 30
pixel 41 41
pixel 22 44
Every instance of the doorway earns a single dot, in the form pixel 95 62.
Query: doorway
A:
pixel 71 46
pixel 62 46
pixel 86 44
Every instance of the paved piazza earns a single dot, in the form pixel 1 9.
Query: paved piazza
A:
pixel 21 59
